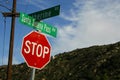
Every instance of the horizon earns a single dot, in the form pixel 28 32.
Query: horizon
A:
pixel 81 24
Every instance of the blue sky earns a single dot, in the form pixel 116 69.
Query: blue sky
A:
pixel 81 23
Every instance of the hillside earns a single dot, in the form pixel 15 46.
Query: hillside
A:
pixel 92 63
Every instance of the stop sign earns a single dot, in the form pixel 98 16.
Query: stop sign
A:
pixel 36 50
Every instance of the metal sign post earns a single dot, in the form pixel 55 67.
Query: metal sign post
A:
pixel 33 74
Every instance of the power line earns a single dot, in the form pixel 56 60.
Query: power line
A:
pixel 6 7
pixel 4 40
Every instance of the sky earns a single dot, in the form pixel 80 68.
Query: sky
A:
pixel 81 23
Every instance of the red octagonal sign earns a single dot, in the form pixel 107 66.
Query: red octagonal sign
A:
pixel 36 50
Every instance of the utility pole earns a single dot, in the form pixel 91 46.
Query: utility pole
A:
pixel 12 14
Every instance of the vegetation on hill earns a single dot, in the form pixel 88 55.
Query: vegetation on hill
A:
pixel 92 63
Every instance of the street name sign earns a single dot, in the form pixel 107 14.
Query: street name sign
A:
pixel 40 26
pixel 47 13
pixel 36 50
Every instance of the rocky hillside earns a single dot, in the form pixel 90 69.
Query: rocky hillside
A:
pixel 92 63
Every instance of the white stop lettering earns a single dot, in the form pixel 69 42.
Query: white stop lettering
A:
pixel 41 50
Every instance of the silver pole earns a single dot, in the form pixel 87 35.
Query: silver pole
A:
pixel 33 74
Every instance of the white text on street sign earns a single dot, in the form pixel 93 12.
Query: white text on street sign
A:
pixel 40 26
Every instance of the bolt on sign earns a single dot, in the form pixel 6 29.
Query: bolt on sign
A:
pixel 40 26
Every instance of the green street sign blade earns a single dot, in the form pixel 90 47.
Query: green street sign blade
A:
pixel 47 13
pixel 40 26
pixel 27 20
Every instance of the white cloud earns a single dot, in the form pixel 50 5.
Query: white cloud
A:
pixel 36 3
pixel 97 22
pixel 16 61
